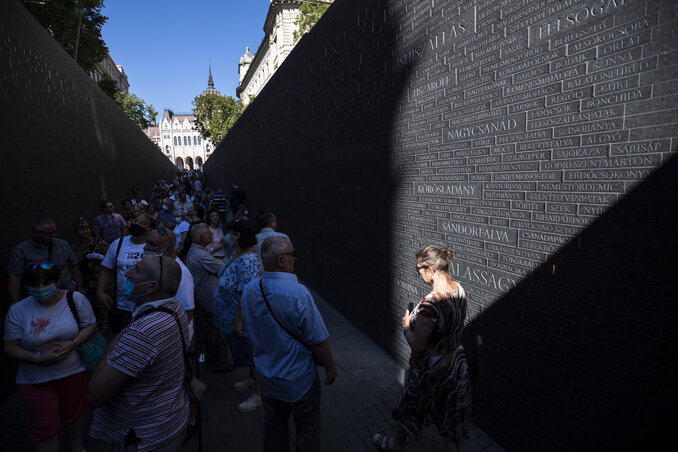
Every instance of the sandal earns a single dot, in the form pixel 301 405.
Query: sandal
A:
pixel 383 442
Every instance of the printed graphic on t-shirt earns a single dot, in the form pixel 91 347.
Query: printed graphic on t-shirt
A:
pixel 39 325
pixel 133 255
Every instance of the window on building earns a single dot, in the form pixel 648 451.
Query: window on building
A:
pixel 185 144
pixel 199 141
pixel 175 141
pixel 195 140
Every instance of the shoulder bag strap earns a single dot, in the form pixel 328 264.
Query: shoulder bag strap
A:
pixel 187 363
pixel 263 294
pixel 74 310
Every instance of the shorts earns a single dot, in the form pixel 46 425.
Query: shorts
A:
pixel 53 403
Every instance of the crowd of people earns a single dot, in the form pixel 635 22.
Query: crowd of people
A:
pixel 191 271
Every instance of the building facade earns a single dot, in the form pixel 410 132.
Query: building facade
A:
pixel 180 141
pixel 279 27
pixel 178 138
pixel 107 67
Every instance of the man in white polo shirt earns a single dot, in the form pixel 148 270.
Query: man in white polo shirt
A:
pixel 269 228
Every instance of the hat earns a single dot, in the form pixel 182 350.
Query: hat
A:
pixel 81 223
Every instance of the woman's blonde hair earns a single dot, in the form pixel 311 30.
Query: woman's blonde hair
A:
pixel 435 257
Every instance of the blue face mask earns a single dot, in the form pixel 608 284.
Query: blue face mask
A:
pixel 44 293
pixel 147 253
pixel 128 288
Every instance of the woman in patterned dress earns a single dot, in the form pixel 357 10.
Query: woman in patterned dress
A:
pixel 242 267
pixel 438 389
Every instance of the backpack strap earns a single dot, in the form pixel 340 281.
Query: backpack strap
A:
pixel 74 310
pixel 188 375
pixel 115 273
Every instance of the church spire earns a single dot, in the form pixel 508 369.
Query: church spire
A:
pixel 210 83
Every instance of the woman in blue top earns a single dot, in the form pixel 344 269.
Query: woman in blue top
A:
pixel 243 266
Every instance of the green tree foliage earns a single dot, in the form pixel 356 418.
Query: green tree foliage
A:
pixel 136 109
pixel 61 19
pixel 215 115
pixel 309 14
pixel 109 86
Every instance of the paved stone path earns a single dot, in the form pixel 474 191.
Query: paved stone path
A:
pixel 358 404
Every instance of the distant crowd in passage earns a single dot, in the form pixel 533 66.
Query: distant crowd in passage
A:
pixel 187 275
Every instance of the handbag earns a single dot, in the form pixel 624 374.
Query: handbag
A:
pixel 93 348
pixel 195 388
pixel 316 361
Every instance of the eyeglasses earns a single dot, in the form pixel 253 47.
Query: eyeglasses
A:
pixel 420 267
pixel 43 265
pixel 292 253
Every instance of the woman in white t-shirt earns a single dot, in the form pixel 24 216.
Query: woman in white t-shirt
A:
pixel 42 334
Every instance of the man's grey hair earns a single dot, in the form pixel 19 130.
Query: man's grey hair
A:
pixel 272 248
pixel 197 231
pixel 41 223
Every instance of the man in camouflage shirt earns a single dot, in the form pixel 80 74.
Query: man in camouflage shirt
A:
pixel 89 252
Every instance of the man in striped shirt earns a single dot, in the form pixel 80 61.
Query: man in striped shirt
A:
pixel 138 386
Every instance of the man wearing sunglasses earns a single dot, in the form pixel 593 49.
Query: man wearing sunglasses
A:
pixel 43 247
pixel 287 333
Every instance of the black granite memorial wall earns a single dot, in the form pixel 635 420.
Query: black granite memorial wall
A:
pixel 64 145
pixel 534 138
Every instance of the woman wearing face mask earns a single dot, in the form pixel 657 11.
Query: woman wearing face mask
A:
pixel 41 333
pixel 438 388
pixel 243 266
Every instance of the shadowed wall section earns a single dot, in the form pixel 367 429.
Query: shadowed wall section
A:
pixel 315 150
pixel 536 139
pixel 64 145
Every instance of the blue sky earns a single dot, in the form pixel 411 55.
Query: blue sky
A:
pixel 165 46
